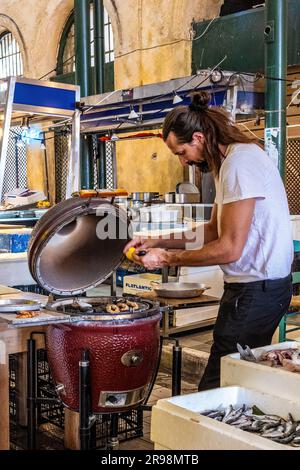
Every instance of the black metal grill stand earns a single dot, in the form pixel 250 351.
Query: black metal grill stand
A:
pixel 176 368
pixel 113 441
pixel 86 418
pixel 31 394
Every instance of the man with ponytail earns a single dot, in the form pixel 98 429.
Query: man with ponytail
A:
pixel 249 234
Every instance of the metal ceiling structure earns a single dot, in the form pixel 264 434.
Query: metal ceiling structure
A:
pixel 109 113
pixel 37 101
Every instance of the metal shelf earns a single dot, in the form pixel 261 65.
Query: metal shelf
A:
pixel 191 326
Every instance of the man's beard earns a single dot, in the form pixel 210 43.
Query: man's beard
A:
pixel 202 165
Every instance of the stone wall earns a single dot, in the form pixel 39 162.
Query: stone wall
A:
pixel 152 44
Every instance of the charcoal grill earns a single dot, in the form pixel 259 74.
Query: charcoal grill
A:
pixel 68 254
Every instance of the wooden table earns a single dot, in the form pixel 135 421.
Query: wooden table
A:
pixel 13 340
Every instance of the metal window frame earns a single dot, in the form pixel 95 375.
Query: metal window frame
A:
pixel 14 67
pixel 64 38
pixel 62 44
pixel 109 48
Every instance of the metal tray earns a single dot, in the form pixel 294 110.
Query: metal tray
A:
pixel 179 290
pixel 16 305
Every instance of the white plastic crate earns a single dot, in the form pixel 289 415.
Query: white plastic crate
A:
pixel 236 371
pixel 177 424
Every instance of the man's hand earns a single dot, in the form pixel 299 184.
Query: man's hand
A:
pixel 154 258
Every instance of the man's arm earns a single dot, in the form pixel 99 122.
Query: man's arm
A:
pixel 198 236
pixel 236 219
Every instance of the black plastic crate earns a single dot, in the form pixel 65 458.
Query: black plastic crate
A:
pixel 12 387
pixel 130 426
pixel 33 289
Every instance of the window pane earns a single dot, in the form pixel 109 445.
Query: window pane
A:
pixel 10 56
pixel 69 55
pixel 106 17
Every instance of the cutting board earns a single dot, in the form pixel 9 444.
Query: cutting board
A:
pixel 42 318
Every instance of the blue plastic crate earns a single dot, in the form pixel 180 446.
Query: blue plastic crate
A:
pixel 121 273
pixel 19 242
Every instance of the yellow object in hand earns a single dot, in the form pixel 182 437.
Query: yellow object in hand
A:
pixel 41 204
pixel 129 253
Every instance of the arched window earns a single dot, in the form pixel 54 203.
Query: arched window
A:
pixel 10 56
pixel 66 55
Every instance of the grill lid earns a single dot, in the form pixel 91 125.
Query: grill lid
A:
pixel 77 244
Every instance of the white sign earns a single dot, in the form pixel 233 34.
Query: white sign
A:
pixel 272 142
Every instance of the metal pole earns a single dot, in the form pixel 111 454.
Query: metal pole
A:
pixel 17 161
pixel 113 441
pixel 46 169
pixel 5 127
pixel 275 67
pixel 74 175
pixel 101 165
pixel 99 46
pixel 83 63
pixel 165 275
pixel 176 369
pixel 82 44
pixel 84 401
pixel 99 52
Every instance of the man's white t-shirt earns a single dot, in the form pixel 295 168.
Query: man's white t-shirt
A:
pixel 248 172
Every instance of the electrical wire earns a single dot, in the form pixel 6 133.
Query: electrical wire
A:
pixel 206 29
pixel 54 70
pixel 99 102
pixel 141 49
pixel 249 130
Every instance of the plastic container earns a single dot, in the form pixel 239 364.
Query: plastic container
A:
pixel 177 424
pixel 236 371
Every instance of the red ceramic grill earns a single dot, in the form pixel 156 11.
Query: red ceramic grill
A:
pixel 68 254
